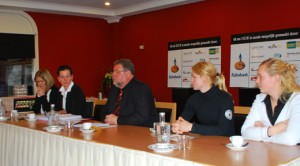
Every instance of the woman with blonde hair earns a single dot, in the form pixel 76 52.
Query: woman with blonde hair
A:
pixel 46 91
pixel 275 113
pixel 212 106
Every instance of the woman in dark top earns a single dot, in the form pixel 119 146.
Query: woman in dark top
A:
pixel 212 106
pixel 46 91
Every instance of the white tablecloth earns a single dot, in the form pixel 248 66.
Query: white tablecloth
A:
pixel 27 147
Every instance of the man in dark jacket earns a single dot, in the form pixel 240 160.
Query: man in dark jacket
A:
pixel 130 101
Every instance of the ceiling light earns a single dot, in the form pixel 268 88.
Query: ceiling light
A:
pixel 107 3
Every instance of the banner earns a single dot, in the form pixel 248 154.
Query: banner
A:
pixel 182 55
pixel 249 50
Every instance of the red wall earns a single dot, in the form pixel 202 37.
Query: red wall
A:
pixel 91 45
pixel 83 43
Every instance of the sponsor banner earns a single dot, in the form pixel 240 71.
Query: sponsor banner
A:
pixel 182 55
pixel 249 50
pixel 266 36
pixel 197 43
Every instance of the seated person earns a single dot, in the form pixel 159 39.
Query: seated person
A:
pixel 130 101
pixel 275 113
pixel 46 91
pixel 72 99
pixel 212 106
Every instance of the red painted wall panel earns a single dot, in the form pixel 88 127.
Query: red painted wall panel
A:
pixel 83 43
pixel 90 45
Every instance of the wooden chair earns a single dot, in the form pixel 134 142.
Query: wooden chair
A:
pixel 241 110
pixel 97 106
pixel 240 114
pixel 165 107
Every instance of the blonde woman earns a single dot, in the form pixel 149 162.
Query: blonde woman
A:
pixel 275 113
pixel 47 92
pixel 212 106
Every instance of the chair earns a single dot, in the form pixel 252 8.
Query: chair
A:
pixel 241 110
pixel 240 114
pixel 169 108
pixel 97 106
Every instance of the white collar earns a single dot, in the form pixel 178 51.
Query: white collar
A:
pixel 62 89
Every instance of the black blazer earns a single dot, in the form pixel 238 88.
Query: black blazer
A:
pixel 137 106
pixel 42 101
pixel 75 102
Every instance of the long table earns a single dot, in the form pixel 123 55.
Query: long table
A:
pixel 26 143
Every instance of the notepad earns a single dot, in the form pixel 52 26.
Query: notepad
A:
pixel 94 124
pixel 62 117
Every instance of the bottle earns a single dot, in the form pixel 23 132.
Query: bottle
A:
pixel 52 117
pixel 2 109
pixel 163 132
pixel 162 118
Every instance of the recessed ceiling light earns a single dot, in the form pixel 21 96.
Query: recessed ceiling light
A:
pixel 107 3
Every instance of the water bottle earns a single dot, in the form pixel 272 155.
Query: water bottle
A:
pixel 52 117
pixel 2 109
pixel 163 131
pixel 162 117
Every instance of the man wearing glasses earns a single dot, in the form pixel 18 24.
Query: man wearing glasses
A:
pixel 130 101
pixel 72 99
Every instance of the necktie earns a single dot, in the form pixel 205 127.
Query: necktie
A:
pixel 118 103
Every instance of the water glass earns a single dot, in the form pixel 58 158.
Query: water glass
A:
pixel 14 115
pixel 2 112
pixel 69 125
pixel 184 142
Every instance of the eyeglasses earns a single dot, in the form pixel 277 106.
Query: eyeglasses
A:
pixel 39 81
pixel 63 77
pixel 117 72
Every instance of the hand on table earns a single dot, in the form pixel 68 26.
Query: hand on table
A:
pixel 111 119
pixel 181 126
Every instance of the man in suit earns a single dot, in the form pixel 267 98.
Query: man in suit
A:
pixel 130 101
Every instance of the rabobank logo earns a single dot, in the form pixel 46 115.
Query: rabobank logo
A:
pixel 174 76
pixel 239 74
pixel 239 65
pixel 174 68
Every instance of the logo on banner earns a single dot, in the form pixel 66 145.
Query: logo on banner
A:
pixel 277 55
pixel 199 52
pixel 292 44
pixel 212 51
pixel 240 65
pixel 174 68
pixel 274 46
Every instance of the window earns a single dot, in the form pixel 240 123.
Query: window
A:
pixel 19 55
pixel 14 72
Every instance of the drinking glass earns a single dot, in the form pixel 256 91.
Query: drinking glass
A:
pixel 184 142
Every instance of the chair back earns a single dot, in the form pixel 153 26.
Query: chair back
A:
pixel 169 108
pixel 97 106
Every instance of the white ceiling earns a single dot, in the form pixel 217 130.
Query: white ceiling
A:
pixel 93 8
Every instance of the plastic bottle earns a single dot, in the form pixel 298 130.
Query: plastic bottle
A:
pixel 52 117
